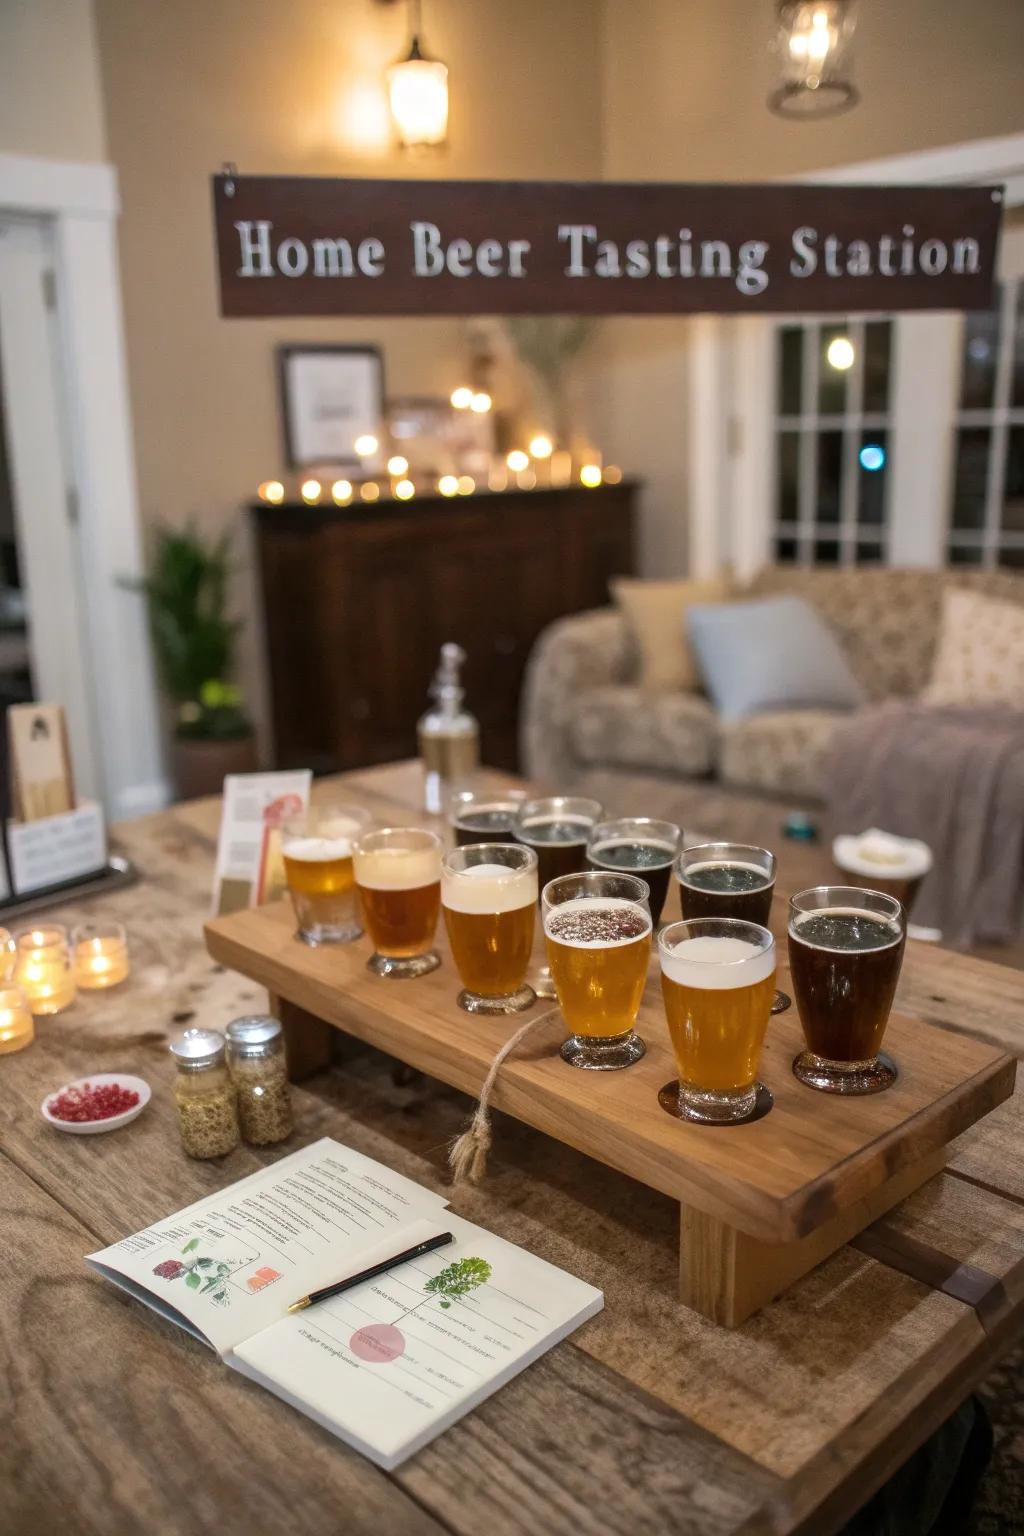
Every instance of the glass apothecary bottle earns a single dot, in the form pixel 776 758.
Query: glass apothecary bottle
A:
pixel 204 1094
pixel 259 1072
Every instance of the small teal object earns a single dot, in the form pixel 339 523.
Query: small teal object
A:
pixel 800 827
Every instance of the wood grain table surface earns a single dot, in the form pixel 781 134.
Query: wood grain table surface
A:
pixel 649 1419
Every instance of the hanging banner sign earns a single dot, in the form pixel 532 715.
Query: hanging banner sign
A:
pixel 310 246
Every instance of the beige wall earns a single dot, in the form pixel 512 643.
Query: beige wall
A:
pixel 280 88
pixel 50 98
pixel 685 83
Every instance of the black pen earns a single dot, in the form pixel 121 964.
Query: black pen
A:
pixel 375 1269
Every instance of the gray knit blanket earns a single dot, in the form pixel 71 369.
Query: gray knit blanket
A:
pixel 955 779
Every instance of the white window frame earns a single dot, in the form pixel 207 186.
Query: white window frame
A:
pixel 81 204
pixel 731 372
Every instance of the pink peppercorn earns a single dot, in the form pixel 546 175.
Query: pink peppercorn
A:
pixel 89 1103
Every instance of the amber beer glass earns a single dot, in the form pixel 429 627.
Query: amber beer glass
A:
pixel 489 901
pixel 398 878
pixel 557 829
pixel 718 982
pixel 845 953
pixel 317 851
pixel 639 846
pixel 597 929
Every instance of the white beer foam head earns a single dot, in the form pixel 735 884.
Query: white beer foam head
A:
pixel 489 888
pixel 585 904
pixel 881 854
pixel 398 869
pixel 754 869
pixel 317 850
pixel 717 963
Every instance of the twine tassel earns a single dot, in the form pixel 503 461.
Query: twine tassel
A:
pixel 467 1155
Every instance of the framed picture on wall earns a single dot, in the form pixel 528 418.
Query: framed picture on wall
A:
pixel 330 397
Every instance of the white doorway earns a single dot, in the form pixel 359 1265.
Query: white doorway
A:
pixel 43 563
pixel 69 429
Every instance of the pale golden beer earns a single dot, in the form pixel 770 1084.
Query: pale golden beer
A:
pixel 597 931
pixel 718 983
pixel 316 848
pixel 398 880
pixel 489 900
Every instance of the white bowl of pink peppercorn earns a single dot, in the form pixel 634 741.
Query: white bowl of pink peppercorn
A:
pixel 103 1101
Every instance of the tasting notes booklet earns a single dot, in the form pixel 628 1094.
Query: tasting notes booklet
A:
pixel 387 1365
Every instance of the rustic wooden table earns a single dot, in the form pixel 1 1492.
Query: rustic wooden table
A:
pixel 649 1419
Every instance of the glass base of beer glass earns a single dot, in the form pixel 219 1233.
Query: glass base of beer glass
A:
pixel 329 933
pixel 704 1105
pixel 853 1077
pixel 543 984
pixel 603 1053
pixel 672 1100
pixel 405 965
pixel 514 1002
pixel 781 1002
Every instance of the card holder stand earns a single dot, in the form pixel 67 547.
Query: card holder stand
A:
pixel 57 857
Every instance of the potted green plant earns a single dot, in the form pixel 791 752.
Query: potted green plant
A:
pixel 194 640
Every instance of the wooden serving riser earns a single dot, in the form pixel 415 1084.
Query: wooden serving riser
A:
pixel 762 1203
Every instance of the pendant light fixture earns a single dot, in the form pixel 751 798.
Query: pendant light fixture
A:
pixel 814 44
pixel 418 91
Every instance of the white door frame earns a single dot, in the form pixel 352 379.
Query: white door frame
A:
pixel 81 204
pixel 730 493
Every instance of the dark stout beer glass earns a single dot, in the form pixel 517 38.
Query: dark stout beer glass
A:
pixel 727 880
pixel 637 845
pixel 845 953
pixel 478 816
pixel 557 829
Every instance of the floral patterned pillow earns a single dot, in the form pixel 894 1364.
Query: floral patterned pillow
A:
pixel 980 654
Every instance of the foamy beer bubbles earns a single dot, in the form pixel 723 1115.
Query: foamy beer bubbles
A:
pixel 317 849
pixel 489 899
pixel 718 983
pixel 597 930
pixel 878 861
pixel 398 880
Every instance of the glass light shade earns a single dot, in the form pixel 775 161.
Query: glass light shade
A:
pixel 814 45
pixel 418 90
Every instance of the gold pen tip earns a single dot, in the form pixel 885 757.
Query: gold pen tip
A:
pixel 297 1306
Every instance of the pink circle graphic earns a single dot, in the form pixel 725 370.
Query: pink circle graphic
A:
pixel 378 1343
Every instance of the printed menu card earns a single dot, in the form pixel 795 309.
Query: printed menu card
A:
pixel 392 1362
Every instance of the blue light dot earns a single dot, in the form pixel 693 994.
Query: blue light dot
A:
pixel 872 456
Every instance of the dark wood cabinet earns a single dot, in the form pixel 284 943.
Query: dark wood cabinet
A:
pixel 358 601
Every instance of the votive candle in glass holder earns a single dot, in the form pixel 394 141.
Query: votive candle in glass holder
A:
pixel 43 968
pixel 100 955
pixel 8 955
pixel 16 1026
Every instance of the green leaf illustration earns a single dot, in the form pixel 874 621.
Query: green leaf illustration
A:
pixel 458 1279
pixel 193 1243
pixel 203 1263
pixel 192 1281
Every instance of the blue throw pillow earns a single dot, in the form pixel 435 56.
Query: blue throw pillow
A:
pixel 772 653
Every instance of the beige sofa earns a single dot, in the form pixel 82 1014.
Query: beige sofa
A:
pixel 585 724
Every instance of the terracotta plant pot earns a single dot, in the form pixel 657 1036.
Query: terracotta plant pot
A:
pixel 200 766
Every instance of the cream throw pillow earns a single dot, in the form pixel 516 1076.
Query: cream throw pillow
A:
pixel 655 614
pixel 980 655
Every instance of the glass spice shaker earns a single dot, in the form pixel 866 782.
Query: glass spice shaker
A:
pixel 204 1094
pixel 258 1068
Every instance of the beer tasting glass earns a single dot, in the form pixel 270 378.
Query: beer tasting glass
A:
pixel 597 929
pixel 478 816
pixel 317 850
pixel 875 861
pixel 845 953
pixel 729 880
pixel 640 846
pixel 557 829
pixel 489 901
pixel 398 878
pixel 718 982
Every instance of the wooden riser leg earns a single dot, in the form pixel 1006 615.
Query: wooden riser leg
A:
pixel 308 1040
pixel 727 1276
